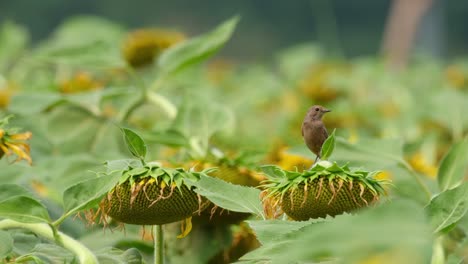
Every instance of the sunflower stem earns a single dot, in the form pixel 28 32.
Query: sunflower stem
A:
pixel 158 235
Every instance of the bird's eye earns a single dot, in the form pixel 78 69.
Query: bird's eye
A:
pixel 316 109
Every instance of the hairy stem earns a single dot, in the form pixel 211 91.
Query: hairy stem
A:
pixel 85 256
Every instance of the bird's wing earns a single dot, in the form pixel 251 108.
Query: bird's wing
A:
pixel 324 132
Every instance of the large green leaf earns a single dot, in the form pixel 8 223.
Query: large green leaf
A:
pixel 230 196
pixel 135 143
pixel 356 238
pixel 6 244
pixel 268 231
pixel 33 103
pixel 196 49
pixel 18 204
pixel 453 167
pixel 448 207
pixel 24 209
pixel 374 154
pixel 8 191
pixel 87 194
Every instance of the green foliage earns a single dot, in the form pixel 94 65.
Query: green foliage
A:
pixel 18 204
pixel 453 166
pixel 197 49
pixel 229 196
pixel 6 244
pixel 448 207
pixel 328 146
pixel 354 238
pixel 191 113
pixel 135 143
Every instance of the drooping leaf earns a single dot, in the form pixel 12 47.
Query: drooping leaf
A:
pixel 24 209
pixel 6 244
pixel 196 49
pixel 135 143
pixel 230 196
pixel 448 207
pixel 87 194
pixel 328 146
pixel 453 166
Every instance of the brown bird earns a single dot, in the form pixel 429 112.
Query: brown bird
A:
pixel 314 131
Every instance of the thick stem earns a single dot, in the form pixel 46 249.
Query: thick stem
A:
pixel 85 256
pixel 158 244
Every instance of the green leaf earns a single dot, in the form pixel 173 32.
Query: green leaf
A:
pixel 24 209
pixel 356 238
pixel 230 196
pixel 328 146
pixel 87 194
pixel 448 207
pixel 6 244
pixel 168 137
pixel 198 119
pixel 8 191
pixel 135 143
pixel 267 231
pixel 13 40
pixel 453 166
pixel 33 103
pixel 196 49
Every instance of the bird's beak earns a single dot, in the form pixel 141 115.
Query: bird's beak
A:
pixel 326 110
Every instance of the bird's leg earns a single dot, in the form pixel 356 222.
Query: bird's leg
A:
pixel 316 158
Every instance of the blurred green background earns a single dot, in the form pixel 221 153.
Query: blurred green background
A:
pixel 267 26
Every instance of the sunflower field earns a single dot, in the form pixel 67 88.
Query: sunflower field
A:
pixel 142 146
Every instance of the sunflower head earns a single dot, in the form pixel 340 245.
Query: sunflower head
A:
pixel 148 194
pixel 14 143
pixel 325 189
pixel 142 46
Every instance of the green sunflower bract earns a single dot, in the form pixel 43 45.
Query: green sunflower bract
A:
pixel 325 189
pixel 151 195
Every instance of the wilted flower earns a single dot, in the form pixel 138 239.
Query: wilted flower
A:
pixel 143 45
pixel 14 143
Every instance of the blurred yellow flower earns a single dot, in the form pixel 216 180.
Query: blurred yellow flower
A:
pixel 15 144
pixel 455 76
pixel 420 164
pixel 80 82
pixel 384 175
pixel 143 45
pixel 315 85
pixel 289 161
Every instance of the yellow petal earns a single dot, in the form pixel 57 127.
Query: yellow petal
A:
pixel 185 227
pixel 21 153
pixel 21 136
